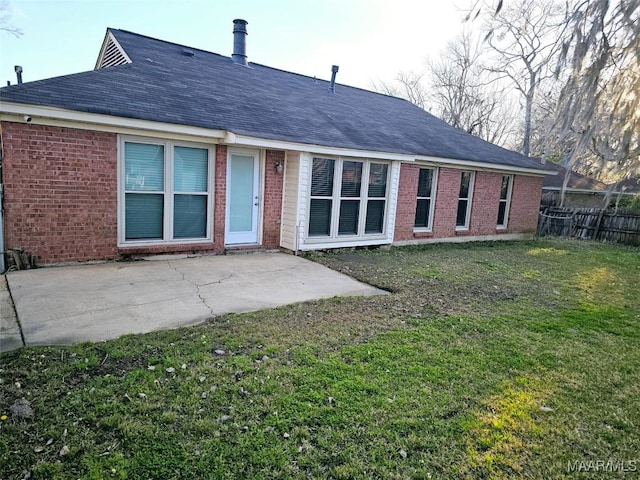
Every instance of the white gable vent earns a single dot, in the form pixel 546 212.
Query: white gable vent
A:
pixel 111 54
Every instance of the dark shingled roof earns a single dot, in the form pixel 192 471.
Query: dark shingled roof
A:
pixel 209 90
pixel 576 180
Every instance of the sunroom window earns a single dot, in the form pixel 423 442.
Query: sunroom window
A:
pixel 166 192
pixel 348 198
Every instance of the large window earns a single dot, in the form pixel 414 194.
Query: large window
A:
pixel 464 200
pixel 348 198
pixel 505 200
pixel 424 202
pixel 167 191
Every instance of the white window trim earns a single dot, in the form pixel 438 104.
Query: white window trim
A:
pixel 469 198
pixel 432 204
pixel 168 193
pixel 507 201
pixel 334 238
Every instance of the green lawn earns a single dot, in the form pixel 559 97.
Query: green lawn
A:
pixel 490 360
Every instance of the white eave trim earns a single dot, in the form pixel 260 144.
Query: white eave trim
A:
pixel 46 115
pixel 439 161
pixel 52 115
pixel 317 149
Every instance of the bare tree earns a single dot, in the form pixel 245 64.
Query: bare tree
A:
pixel 407 85
pixel 598 111
pixel 523 35
pixel 464 96
pixel 5 19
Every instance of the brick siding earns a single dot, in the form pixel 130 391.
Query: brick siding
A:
pixel 60 187
pixel 523 212
pixel 272 208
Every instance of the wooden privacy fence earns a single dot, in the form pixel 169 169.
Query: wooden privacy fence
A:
pixel 590 223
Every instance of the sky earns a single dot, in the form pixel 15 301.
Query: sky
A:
pixel 370 40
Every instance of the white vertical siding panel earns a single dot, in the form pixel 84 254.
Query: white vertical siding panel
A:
pixel 394 186
pixel 290 202
pixel 303 196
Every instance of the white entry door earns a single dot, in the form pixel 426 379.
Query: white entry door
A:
pixel 243 201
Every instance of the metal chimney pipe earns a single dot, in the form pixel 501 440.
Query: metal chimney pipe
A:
pixel 18 70
pixel 239 55
pixel 332 85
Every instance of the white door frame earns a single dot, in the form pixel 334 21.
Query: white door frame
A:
pixel 249 237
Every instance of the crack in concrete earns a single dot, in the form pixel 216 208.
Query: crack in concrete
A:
pixel 197 286
pixel 115 306
pixel 217 281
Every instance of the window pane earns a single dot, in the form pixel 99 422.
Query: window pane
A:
pixel 377 180
pixel 348 222
pixel 322 177
pixel 424 182
pixel 504 191
pixel 351 179
pixel 190 169
pixel 423 208
pixel 375 216
pixel 143 216
pixel 319 217
pixel 461 218
pixel 464 184
pixel 502 208
pixel 144 167
pixel 189 216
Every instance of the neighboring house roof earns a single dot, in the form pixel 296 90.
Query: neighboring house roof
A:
pixel 576 181
pixel 630 185
pixel 170 83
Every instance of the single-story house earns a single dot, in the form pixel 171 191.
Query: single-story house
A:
pixel 164 148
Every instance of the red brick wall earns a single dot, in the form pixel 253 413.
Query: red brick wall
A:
pixel 60 192
pixel 220 197
pixel 273 184
pixel 525 204
pixel 523 214
pixel 60 187
pixel 484 208
pixel 406 208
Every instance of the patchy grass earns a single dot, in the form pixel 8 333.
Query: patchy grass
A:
pixel 487 361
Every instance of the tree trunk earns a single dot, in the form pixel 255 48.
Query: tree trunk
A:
pixel 528 107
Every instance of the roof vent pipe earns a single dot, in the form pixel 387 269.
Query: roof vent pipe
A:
pixel 332 85
pixel 18 70
pixel 239 55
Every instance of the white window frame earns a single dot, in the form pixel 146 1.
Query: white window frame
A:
pixel 468 198
pixel 168 192
pixel 432 200
pixel 506 201
pixel 337 197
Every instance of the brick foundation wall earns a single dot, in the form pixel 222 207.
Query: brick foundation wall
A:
pixel 60 187
pixel 523 212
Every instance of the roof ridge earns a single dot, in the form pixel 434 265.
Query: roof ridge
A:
pixel 314 78
pixel 167 42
